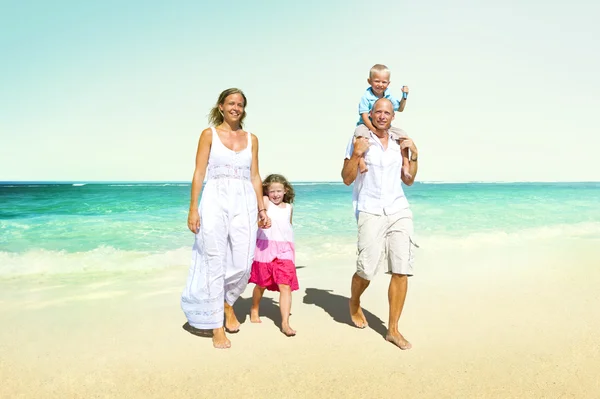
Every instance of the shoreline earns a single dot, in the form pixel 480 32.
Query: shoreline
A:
pixel 485 325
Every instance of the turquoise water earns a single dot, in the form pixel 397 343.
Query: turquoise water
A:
pixel 48 227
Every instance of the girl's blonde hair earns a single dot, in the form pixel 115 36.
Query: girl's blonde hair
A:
pixel 289 190
pixel 215 117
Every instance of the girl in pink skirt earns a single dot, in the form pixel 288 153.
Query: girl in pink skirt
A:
pixel 274 266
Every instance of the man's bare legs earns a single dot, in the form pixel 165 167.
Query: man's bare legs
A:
pixel 359 285
pixel 232 324
pixel 285 306
pixel 257 295
pixel 396 297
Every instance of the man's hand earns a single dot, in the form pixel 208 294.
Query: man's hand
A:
pixel 361 145
pixel 405 89
pixel 406 142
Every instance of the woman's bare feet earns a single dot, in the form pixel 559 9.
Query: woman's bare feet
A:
pixel 220 340
pixel 232 325
pixel 356 314
pixel 254 316
pixel 398 340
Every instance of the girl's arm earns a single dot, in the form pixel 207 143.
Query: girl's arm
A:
pixel 291 212
pixel 204 144
pixel 257 184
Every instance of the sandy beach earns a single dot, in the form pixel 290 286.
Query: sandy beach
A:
pixel 521 323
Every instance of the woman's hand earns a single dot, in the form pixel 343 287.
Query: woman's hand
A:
pixel 194 221
pixel 264 222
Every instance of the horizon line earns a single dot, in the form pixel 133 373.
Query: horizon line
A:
pixel 291 181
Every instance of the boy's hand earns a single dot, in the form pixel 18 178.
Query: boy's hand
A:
pixel 405 89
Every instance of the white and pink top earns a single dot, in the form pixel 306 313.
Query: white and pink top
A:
pixel 276 242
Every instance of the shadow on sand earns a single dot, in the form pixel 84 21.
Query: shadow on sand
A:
pixel 268 309
pixel 337 307
pixel 196 331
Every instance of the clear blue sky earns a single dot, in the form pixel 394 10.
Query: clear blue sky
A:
pixel 111 90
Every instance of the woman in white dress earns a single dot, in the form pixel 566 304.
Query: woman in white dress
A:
pixel 225 222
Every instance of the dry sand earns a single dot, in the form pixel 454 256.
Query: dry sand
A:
pixel 486 324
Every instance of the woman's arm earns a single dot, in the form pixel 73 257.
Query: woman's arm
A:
pixel 202 154
pixel 257 184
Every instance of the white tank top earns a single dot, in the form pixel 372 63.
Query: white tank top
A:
pixel 224 163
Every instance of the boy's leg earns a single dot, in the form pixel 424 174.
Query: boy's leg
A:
pixel 405 163
pixel 397 134
pixel 362 131
pixel 257 295
pixel 285 306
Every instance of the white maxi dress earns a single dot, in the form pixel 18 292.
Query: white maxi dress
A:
pixel 224 246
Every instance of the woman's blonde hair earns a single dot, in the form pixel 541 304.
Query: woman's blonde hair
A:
pixel 215 117
pixel 289 195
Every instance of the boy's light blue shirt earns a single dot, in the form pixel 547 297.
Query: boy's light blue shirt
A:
pixel 368 99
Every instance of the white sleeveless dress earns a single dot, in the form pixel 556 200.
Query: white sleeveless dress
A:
pixel 224 246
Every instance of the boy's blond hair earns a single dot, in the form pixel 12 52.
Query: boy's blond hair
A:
pixel 378 68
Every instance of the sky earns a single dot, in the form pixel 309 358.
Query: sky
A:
pixel 120 90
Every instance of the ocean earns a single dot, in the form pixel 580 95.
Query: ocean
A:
pixel 54 228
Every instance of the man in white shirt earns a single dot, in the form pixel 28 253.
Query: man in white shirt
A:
pixel 385 228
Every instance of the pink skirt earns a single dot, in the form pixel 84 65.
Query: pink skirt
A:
pixel 270 274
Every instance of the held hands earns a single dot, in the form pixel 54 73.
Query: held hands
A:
pixel 193 221
pixel 405 89
pixel 264 222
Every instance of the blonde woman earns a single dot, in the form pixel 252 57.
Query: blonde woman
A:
pixel 224 223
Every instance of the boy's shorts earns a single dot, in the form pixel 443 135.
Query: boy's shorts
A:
pixel 363 131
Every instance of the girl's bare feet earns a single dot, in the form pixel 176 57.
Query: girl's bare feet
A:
pixel 287 330
pixel 254 316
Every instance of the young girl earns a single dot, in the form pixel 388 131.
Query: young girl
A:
pixel 274 266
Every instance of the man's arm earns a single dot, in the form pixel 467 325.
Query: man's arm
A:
pixel 413 160
pixel 350 169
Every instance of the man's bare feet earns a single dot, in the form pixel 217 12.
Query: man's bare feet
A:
pixel 287 330
pixel 356 314
pixel 254 317
pixel 398 340
pixel 220 340
pixel 232 325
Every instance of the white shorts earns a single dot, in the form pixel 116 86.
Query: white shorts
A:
pixel 385 239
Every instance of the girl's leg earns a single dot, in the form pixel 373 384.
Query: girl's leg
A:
pixel 257 295
pixel 285 305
